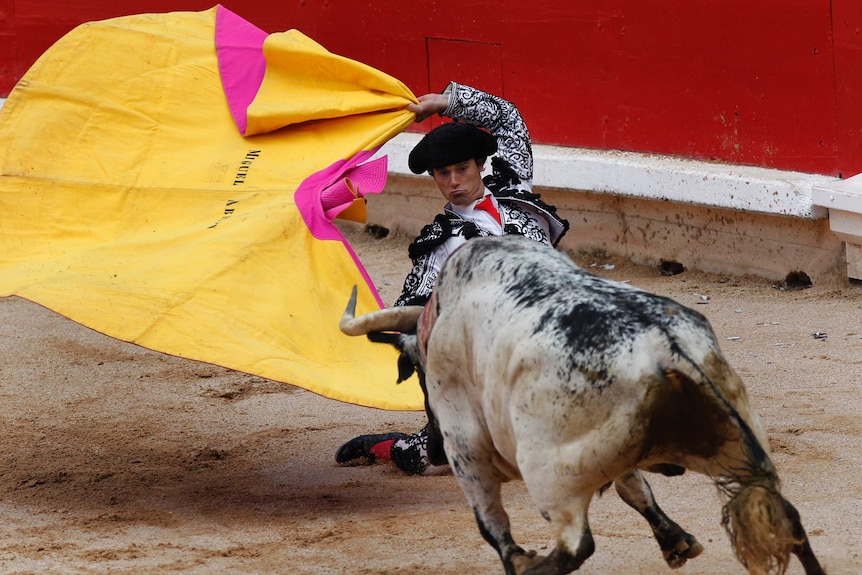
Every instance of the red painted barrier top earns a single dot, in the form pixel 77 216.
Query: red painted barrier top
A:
pixel 773 83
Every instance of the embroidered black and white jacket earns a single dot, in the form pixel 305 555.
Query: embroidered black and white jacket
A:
pixel 521 211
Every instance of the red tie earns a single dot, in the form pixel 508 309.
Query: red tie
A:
pixel 487 205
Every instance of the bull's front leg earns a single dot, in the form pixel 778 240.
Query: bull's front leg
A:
pixel 676 544
pixel 563 507
pixel 470 453
pixel 481 485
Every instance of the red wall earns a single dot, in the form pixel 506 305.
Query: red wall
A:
pixel 774 83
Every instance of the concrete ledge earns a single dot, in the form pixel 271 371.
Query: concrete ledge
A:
pixel 650 176
pixel 712 217
pixel 843 199
pixel 844 195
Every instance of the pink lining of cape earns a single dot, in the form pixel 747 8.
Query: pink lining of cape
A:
pixel 365 177
pixel 239 46
pixel 242 65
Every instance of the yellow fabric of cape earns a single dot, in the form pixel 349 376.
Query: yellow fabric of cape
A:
pixel 131 203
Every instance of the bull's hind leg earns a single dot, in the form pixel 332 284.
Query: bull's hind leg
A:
pixel 802 549
pixel 676 544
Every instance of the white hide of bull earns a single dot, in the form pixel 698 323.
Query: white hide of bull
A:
pixel 535 369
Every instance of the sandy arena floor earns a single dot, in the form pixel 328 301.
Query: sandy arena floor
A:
pixel 115 459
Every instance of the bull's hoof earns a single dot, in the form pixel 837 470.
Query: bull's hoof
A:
pixel 560 561
pixel 523 561
pixel 687 548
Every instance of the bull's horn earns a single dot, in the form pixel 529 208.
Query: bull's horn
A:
pixel 402 318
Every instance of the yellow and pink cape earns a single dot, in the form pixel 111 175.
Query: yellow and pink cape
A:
pixel 171 180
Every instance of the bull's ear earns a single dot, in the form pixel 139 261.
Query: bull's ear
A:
pixel 405 364
pixel 405 367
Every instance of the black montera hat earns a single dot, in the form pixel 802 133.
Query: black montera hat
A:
pixel 451 143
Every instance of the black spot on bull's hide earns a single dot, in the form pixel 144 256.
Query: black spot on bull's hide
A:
pixel 608 321
pixel 681 418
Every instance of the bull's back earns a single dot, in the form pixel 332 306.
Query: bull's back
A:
pixel 513 289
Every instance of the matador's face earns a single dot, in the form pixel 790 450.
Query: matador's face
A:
pixel 460 183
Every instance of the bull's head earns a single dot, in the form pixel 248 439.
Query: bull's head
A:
pixel 395 326
pixel 398 326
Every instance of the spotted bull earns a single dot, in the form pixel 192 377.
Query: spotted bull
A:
pixel 535 369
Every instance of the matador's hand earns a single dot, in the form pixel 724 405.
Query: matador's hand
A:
pixel 428 105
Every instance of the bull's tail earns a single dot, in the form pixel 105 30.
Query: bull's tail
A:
pixel 756 519
pixel 764 528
